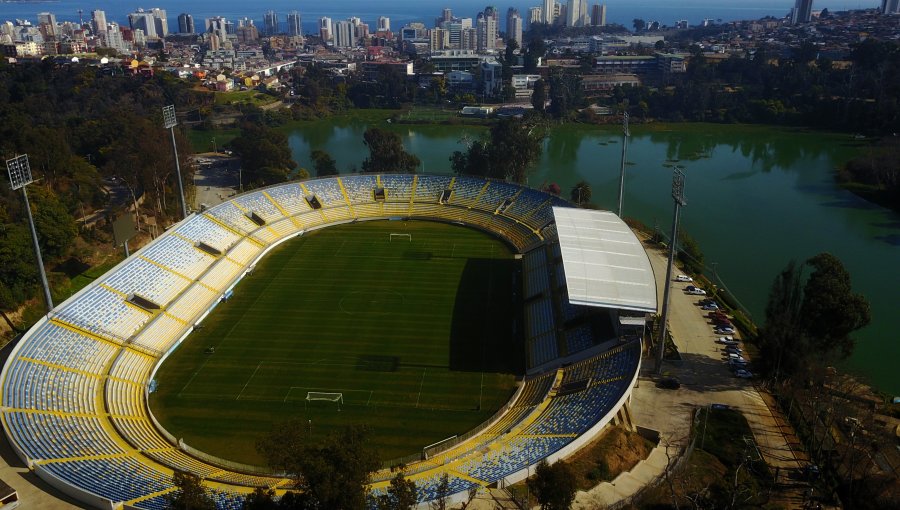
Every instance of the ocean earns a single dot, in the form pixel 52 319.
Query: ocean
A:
pixel 403 11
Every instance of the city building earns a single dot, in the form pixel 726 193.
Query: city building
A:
pixel 486 32
pixel 144 21
pixel 111 37
pixel 326 29
pixel 549 11
pixel 598 15
pixel 247 32
pixel 514 26
pixel 802 12
pixel 98 21
pixel 343 34
pixel 439 39
pixel 576 13
pixel 270 23
pixel 185 23
pixel 384 24
pixel 47 22
pixel 890 6
pixel 534 15
pixel 294 26
pixel 160 22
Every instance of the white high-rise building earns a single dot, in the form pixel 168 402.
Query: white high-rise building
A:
pixel 326 29
pixel 890 6
pixel 384 24
pixel 144 21
pixel 160 22
pixel 535 15
pixel 343 34
pixel 486 32
pixel 111 37
pixel 48 20
pixel 576 13
pixel 98 21
pixel 548 11
pixel 802 12
pixel 270 23
pixel 294 26
pixel 514 26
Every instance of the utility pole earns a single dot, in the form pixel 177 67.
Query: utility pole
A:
pixel 169 121
pixel 678 197
pixel 19 177
pixel 625 135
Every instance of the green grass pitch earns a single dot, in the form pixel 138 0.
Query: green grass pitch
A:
pixel 417 335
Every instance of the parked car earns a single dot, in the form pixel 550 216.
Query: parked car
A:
pixel 733 350
pixel 683 278
pixel 669 383
pixel 726 340
pixel 724 330
pixel 706 301
pixel 743 374
pixel 737 365
pixel 697 292
pixel 736 357
pixel 710 306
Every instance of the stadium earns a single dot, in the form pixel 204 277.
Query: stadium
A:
pixel 76 389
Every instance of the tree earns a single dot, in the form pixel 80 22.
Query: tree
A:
pixel 553 486
pixel 581 193
pixel 190 494
pixel 441 493
pixel 260 499
pixel 401 494
pixel 830 310
pixel 512 147
pixel 265 154
pixel 386 153
pixel 55 226
pixel 323 163
pixel 638 24
pixel 539 95
pixel 810 323
pixel 331 473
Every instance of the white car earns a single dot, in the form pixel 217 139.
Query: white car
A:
pixel 736 357
pixel 697 292
pixel 683 278
pixel 743 374
pixel 725 339
pixel 723 330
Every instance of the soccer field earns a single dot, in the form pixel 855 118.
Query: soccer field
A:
pixel 416 333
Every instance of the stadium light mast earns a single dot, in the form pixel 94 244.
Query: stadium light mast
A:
pixel 678 197
pixel 625 135
pixel 169 121
pixel 19 177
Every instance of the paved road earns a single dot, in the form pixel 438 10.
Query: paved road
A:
pixel 707 380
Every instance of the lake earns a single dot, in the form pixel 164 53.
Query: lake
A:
pixel 757 197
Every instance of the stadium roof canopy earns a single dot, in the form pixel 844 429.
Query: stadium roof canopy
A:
pixel 605 263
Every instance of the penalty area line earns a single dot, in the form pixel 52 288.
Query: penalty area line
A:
pixel 421 383
pixel 238 397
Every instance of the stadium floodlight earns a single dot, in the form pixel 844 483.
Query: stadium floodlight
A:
pixel 678 198
pixel 625 134
pixel 19 177
pixel 169 121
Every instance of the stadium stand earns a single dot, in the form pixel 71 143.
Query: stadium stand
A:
pixel 74 388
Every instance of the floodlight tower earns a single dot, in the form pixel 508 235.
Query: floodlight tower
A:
pixel 678 197
pixel 625 135
pixel 19 177
pixel 169 121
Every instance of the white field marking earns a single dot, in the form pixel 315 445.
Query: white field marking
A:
pixel 422 383
pixel 188 383
pixel 238 397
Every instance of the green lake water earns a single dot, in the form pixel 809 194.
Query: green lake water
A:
pixel 757 197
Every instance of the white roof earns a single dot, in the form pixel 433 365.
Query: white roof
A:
pixel 605 263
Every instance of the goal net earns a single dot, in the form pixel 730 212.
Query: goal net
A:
pixel 328 397
pixel 401 237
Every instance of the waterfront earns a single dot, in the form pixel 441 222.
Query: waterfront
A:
pixel 757 197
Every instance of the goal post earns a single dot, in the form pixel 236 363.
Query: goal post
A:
pixel 325 396
pixel 400 237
